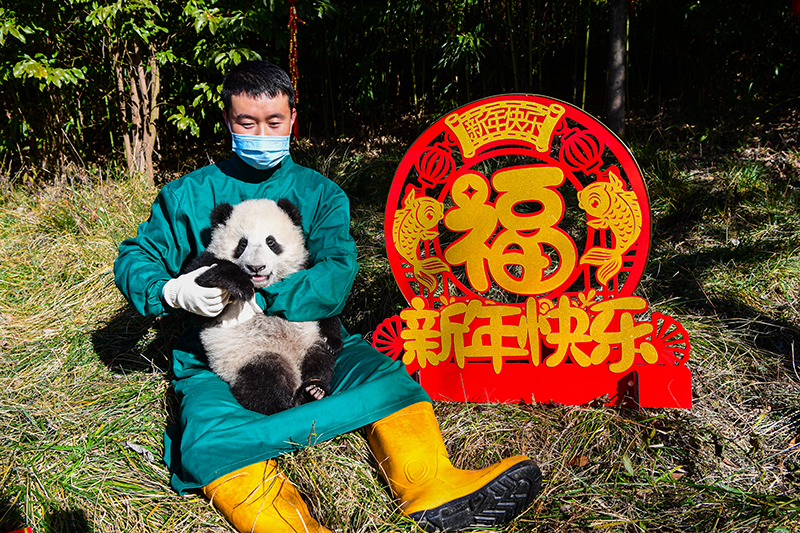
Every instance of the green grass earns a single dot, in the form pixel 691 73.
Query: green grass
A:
pixel 86 387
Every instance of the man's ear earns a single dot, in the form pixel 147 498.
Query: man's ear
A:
pixel 294 117
pixel 225 119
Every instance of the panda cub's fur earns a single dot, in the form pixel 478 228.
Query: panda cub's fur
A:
pixel 270 363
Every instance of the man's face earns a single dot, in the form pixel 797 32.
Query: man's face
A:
pixel 260 116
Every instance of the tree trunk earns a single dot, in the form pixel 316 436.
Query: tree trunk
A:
pixel 616 66
pixel 138 86
pixel 413 69
pixel 149 87
pixel 586 53
pixel 124 111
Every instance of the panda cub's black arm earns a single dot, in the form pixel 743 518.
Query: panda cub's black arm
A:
pixel 225 275
pixel 331 331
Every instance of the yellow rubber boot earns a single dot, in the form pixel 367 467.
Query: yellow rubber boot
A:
pixel 259 499
pixel 430 490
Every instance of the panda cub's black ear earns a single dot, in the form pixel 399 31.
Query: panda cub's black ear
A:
pixel 291 210
pixel 220 214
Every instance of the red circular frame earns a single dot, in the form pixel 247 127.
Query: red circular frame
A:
pixel 572 149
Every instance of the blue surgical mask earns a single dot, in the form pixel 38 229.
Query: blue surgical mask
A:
pixel 260 151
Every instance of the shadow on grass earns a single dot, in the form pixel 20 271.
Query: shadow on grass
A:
pixel 773 341
pixel 55 521
pixel 129 342
pixel 680 277
pixel 11 517
pixel 67 521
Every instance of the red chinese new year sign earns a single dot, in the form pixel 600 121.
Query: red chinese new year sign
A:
pixel 517 228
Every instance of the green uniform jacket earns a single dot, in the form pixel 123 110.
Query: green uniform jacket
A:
pixel 215 435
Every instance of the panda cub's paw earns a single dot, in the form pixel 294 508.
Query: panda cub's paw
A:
pixel 311 390
pixel 229 276
pixel 331 331
pixel 315 391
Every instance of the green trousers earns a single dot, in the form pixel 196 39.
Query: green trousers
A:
pixel 215 435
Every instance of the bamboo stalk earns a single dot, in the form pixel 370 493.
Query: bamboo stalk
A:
pixel 511 43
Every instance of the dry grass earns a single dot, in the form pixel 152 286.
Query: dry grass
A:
pixel 86 393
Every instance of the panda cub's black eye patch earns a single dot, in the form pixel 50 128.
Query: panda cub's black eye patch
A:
pixel 274 245
pixel 240 248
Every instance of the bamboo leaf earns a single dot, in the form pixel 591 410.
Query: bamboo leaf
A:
pixel 626 462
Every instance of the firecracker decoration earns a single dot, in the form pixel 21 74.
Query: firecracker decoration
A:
pixel 294 73
pixel 517 228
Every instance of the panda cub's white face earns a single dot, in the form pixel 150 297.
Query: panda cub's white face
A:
pixel 262 239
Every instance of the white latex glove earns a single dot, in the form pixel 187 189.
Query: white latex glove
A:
pixel 184 293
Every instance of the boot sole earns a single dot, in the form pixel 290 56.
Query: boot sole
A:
pixel 499 501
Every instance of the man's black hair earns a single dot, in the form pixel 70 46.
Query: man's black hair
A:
pixel 256 79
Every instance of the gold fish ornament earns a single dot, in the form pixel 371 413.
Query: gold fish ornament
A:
pixel 414 223
pixel 613 208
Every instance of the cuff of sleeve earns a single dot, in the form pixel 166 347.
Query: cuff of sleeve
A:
pixel 170 294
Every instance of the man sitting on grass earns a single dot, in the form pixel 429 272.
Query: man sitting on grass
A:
pixel 227 450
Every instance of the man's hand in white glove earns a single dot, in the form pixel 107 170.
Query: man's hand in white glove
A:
pixel 184 292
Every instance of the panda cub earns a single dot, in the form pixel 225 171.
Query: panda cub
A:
pixel 270 363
